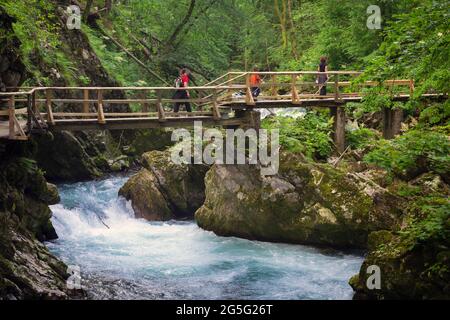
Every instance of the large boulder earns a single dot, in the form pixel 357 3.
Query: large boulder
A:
pixel 163 190
pixel 414 263
pixel 406 272
pixel 146 199
pixel 305 203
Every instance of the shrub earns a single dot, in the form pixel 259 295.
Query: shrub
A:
pixel 360 138
pixel 309 135
pixel 416 152
pixel 429 222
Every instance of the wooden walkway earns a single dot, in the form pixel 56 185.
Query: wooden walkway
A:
pixel 217 103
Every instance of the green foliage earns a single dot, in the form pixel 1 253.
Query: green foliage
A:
pixel 309 135
pixel 37 28
pixel 430 224
pixel 416 46
pixel 28 165
pixel 115 62
pixel 435 114
pixel 360 138
pixel 415 151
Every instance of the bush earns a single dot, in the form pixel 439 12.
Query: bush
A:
pixel 435 114
pixel 416 152
pixel 429 222
pixel 309 135
pixel 360 138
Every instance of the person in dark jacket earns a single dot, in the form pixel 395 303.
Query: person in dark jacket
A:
pixel 182 82
pixel 323 78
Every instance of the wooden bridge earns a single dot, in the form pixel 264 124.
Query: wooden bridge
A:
pixel 226 101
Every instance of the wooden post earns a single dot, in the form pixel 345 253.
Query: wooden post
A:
pixel 397 118
pixel 336 88
pixel 12 114
pixel 230 91
pixel 273 89
pixel 387 123
pixel 411 88
pixel 37 113
pixel 295 96
pixel 159 106
pixel 50 118
pixel 35 105
pixel 145 104
pixel 29 113
pixel 85 101
pixel 339 128
pixel 216 112
pixel 249 96
pixel 101 115
pixel 392 122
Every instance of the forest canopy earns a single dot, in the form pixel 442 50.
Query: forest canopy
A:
pixel 211 37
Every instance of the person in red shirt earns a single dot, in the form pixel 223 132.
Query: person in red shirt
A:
pixel 255 83
pixel 182 82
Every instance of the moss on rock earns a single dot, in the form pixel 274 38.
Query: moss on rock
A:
pixel 146 199
pixel 414 261
pixel 27 269
pixel 305 203
pixel 163 190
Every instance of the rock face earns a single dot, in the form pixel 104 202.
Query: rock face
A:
pixel 163 190
pixel 305 203
pixel 12 70
pixel 63 158
pixel 147 200
pixel 413 263
pixel 27 269
pixel 420 273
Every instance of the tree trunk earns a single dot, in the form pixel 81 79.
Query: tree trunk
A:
pixel 182 24
pixel 87 10
pixel 108 6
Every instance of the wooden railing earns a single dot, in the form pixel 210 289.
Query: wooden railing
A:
pixel 15 127
pixel 298 85
pixel 41 106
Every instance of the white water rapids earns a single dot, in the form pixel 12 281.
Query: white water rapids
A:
pixel 137 259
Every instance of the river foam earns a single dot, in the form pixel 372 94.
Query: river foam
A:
pixel 121 257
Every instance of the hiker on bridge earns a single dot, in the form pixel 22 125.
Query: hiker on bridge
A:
pixel 322 79
pixel 182 82
pixel 255 83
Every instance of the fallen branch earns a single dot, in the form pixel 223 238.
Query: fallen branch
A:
pixel 340 158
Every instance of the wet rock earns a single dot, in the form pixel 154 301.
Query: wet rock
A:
pixel 27 269
pixel 51 197
pixel 176 190
pixel 146 199
pixel 305 203
pixel 415 273
pixel 63 158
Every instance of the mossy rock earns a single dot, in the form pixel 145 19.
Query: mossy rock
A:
pixel 146 199
pixel 419 273
pixel 149 140
pixel 164 190
pixel 63 158
pixel 305 203
pixel 182 184
pixel 51 196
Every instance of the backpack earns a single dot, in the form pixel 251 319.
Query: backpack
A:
pixel 178 82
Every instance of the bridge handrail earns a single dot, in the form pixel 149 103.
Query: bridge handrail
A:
pixel 219 95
